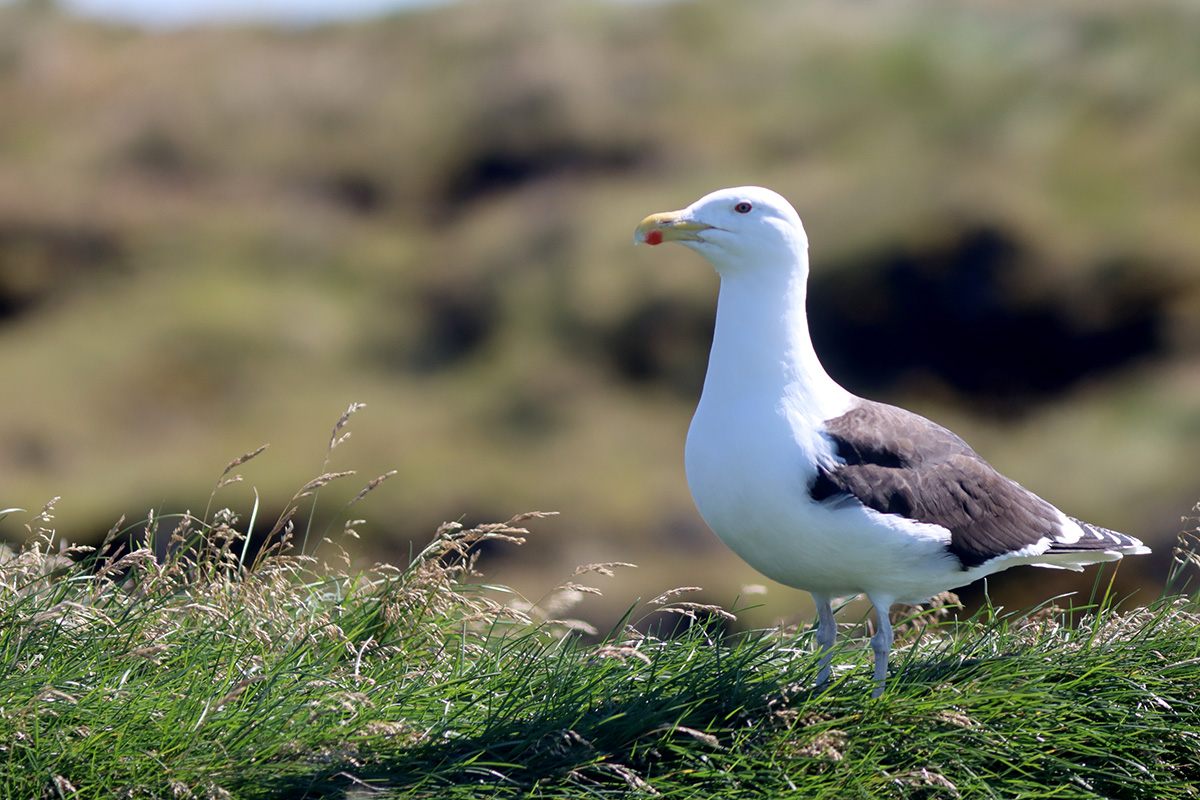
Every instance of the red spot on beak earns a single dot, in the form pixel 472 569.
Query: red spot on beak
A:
pixel 653 237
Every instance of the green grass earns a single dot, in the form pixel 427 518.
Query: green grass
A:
pixel 212 671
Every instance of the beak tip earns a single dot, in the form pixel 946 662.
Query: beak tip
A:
pixel 651 230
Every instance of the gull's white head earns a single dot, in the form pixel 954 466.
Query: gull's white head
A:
pixel 738 229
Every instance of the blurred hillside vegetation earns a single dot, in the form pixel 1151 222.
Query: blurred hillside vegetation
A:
pixel 215 238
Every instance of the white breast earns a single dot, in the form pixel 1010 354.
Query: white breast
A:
pixel 749 470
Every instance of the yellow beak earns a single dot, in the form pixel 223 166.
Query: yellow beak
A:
pixel 669 226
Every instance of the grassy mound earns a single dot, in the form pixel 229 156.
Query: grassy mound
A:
pixel 203 664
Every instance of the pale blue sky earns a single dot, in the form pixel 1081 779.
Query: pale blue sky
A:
pixel 175 13
pixel 169 13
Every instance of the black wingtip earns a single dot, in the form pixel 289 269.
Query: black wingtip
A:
pixel 1097 538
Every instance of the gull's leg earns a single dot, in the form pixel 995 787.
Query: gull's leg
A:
pixel 881 642
pixel 826 633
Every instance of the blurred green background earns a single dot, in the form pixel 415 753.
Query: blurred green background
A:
pixel 215 238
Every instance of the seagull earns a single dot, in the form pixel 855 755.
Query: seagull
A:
pixel 822 490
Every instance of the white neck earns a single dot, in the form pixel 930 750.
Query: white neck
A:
pixel 762 348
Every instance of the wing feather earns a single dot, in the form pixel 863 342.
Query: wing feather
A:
pixel 897 462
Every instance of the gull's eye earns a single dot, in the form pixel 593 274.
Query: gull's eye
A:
pixel 742 208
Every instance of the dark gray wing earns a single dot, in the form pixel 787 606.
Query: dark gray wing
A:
pixel 897 462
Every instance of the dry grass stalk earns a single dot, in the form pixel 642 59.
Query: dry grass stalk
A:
pixel 371 486
pixel 696 610
pixel 670 594
pixel 621 652
pixel 335 439
pixel 605 568
pixel 910 622
pixel 237 462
